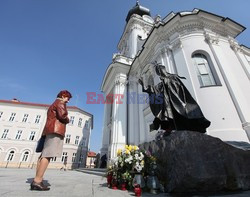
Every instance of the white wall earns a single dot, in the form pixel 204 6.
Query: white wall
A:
pixel 24 144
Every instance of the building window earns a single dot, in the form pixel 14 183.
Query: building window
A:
pixel 25 156
pixel 1 114
pixel 12 117
pixel 80 122
pixel 71 120
pixel 11 155
pixel 38 117
pixel 205 71
pixel 77 140
pixel 18 135
pixel 25 117
pixel 5 133
pixel 53 159
pixel 32 135
pixel 67 140
pixel 83 141
pixel 74 158
pixel 81 158
pixel 64 156
pixel 86 126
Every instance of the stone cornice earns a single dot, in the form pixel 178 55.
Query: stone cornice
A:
pixel 114 69
pixel 245 50
pixel 121 59
pixel 121 79
pixel 234 44
pixel 212 39
pixel 194 23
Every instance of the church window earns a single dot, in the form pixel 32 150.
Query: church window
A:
pixel 205 71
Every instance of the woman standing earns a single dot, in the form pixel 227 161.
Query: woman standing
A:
pixel 54 130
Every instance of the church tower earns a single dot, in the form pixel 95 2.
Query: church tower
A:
pixel 115 129
pixel 139 24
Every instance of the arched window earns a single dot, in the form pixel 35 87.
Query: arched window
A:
pixel 205 71
pixel 25 156
pixel 11 155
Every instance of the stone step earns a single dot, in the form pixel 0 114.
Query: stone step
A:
pixel 95 171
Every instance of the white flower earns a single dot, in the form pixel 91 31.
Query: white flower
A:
pixel 141 155
pixel 138 168
pixel 129 159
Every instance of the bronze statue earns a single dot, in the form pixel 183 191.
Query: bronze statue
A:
pixel 178 109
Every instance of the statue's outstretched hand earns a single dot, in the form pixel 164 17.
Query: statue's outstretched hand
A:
pixel 140 81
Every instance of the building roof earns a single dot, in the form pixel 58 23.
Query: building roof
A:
pixel 91 154
pixel 17 102
pixel 138 9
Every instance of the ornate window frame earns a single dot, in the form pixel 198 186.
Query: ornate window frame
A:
pixel 205 69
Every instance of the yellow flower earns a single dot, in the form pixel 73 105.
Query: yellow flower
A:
pixel 136 147
pixel 130 148
pixel 119 151
pixel 126 146
pixel 127 151
pixel 153 158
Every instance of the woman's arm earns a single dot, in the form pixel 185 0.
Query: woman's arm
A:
pixel 62 113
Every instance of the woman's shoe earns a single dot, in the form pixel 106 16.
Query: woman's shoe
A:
pixel 38 186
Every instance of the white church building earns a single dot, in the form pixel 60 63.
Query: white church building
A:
pixel 197 45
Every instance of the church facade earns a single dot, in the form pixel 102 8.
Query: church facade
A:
pixel 197 45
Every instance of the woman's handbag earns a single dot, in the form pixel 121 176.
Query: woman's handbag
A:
pixel 40 144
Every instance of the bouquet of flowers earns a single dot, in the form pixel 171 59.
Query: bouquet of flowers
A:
pixel 129 161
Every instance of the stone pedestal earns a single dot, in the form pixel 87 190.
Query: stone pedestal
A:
pixel 194 162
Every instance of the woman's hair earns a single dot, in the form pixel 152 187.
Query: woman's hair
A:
pixel 64 93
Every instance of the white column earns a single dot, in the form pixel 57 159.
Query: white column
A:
pixel 133 130
pixel 236 48
pixel 133 43
pixel 119 116
pixel 105 132
pixel 142 136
